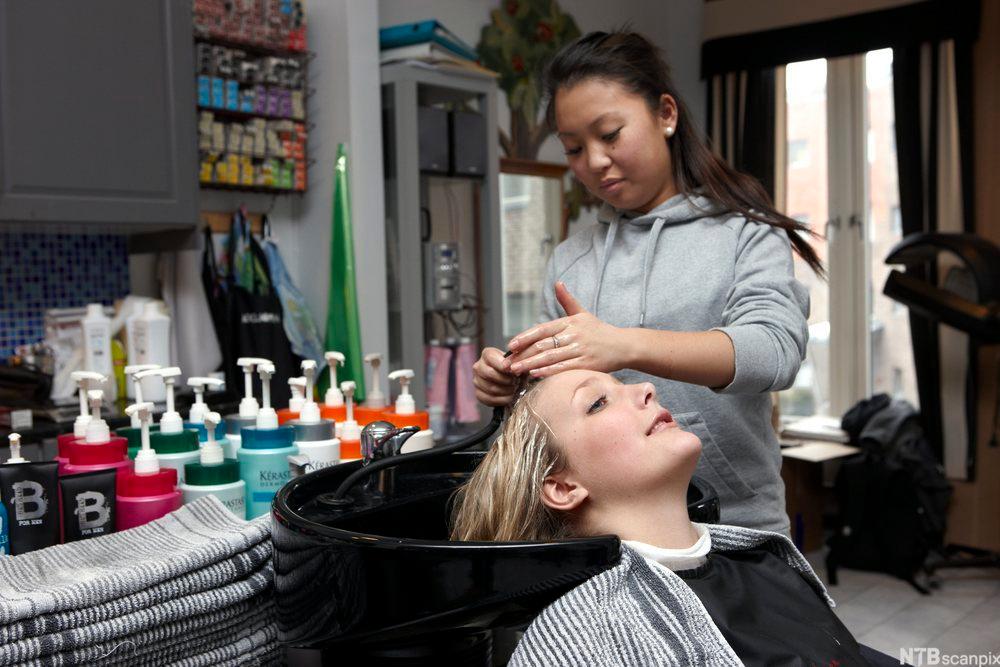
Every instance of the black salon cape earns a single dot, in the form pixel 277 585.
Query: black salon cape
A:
pixel 768 613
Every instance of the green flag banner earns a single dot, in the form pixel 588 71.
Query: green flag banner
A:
pixel 343 326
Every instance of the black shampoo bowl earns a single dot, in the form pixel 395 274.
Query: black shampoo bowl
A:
pixel 379 583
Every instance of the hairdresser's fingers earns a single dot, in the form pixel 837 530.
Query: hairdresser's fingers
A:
pixel 493 398
pixel 490 367
pixel 536 337
pixel 568 349
pixel 560 366
pixel 488 387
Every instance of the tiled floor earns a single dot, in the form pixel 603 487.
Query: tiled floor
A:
pixel 961 617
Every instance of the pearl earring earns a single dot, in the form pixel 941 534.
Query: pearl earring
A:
pixel 669 131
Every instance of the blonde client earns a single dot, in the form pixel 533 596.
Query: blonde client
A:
pixel 583 454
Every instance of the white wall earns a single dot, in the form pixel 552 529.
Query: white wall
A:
pixel 344 75
pixel 674 26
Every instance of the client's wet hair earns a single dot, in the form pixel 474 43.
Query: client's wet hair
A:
pixel 502 500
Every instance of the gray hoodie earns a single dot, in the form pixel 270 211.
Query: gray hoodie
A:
pixel 686 266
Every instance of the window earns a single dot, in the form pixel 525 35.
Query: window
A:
pixel 798 153
pixel 859 340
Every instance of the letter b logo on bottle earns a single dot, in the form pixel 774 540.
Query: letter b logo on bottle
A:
pixel 29 500
pixel 91 510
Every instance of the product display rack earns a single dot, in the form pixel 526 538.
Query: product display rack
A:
pixel 406 88
pixel 251 66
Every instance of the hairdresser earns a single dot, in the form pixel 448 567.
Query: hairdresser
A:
pixel 685 281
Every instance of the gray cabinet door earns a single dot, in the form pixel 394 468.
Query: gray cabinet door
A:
pixel 97 113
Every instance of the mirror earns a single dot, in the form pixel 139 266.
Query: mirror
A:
pixel 533 222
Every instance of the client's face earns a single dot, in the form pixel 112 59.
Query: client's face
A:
pixel 618 440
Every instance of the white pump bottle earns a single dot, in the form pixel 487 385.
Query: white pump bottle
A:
pixel 84 380
pixel 334 396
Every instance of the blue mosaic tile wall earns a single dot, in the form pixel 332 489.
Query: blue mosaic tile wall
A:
pixel 42 271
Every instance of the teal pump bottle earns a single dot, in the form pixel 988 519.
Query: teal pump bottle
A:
pixel 264 451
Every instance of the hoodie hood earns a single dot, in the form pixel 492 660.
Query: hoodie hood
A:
pixel 679 209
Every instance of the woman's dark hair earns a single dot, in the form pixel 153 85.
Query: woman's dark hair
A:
pixel 633 61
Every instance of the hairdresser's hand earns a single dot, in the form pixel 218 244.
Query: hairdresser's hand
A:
pixel 579 340
pixel 495 385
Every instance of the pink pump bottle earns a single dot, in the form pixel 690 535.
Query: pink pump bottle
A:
pixel 98 450
pixel 148 492
pixel 83 380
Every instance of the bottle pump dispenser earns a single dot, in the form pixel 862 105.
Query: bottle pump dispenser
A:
pixel 348 431
pixel 267 416
pixel 214 475
pixel 333 403
pixel 85 380
pixel 373 409
pixel 405 414
pixel 314 436
pixel 199 408
pixel 298 388
pixel 149 491
pixel 247 415
pixel 196 416
pixel 14 439
pixel 131 432
pixel 174 445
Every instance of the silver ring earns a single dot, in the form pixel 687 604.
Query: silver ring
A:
pixel 555 342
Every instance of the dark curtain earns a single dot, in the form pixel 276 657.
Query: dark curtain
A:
pixel 922 79
pixel 740 122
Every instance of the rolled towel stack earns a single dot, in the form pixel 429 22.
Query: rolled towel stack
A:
pixel 194 587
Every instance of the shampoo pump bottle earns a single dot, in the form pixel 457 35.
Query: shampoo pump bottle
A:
pixel 348 431
pixel 264 451
pixel 333 403
pixel 97 344
pixel 247 415
pixel 99 450
pixel 131 432
pixel 149 491
pixel 373 409
pixel 295 403
pixel 83 381
pixel 314 436
pixel 196 416
pixel 405 414
pixel 214 475
pixel 174 445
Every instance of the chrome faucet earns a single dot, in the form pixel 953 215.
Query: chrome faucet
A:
pixel 381 440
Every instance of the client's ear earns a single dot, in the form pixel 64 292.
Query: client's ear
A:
pixel 562 493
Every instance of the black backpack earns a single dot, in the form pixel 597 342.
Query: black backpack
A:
pixel 892 497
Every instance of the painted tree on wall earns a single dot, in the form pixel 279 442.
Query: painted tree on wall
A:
pixel 520 39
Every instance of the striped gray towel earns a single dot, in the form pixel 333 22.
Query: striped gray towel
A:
pixel 255 587
pixel 208 578
pixel 91 572
pixel 244 629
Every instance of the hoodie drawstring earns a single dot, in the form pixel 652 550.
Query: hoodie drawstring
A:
pixel 647 262
pixel 609 241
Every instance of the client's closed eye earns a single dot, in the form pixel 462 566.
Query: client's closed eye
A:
pixel 597 405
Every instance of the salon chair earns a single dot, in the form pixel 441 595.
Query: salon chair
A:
pixel 365 573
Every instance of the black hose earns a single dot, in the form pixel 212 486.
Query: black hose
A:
pixel 464 443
